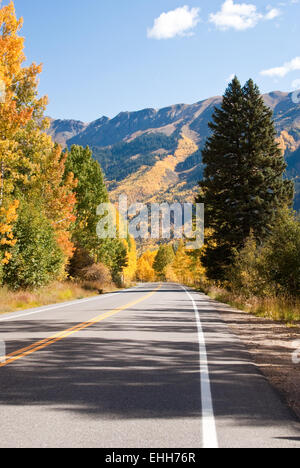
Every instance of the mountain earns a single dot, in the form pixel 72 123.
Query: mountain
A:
pixel 155 154
pixel 63 130
pixel 294 172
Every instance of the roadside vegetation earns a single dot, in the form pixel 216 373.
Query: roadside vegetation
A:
pixel 252 251
pixel 49 250
pixel 251 256
pixel 57 292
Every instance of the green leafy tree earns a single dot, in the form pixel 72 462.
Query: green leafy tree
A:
pixel 283 254
pixel 243 186
pixel 90 192
pixel 272 268
pixel 113 253
pixel 36 257
pixel 248 273
pixel 165 256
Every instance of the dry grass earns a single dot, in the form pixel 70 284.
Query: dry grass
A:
pixel 279 309
pixel 11 301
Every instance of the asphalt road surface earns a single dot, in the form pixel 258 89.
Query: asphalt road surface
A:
pixel 150 367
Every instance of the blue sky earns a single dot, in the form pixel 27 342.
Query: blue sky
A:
pixel 102 57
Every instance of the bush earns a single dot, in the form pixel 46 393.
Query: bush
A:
pixel 283 255
pixel 271 269
pixel 93 276
pixel 36 258
pixel 97 272
pixel 80 260
pixel 248 275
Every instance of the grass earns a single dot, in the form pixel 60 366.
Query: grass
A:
pixel 11 301
pixel 279 309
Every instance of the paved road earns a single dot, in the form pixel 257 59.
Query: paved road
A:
pixel 150 367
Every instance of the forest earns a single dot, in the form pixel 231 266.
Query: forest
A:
pixel 49 248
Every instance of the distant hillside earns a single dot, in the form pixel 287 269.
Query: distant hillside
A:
pixel 294 172
pixel 156 154
pixel 63 130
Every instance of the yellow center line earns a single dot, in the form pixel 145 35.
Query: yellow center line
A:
pixel 21 353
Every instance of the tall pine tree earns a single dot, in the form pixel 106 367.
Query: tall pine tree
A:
pixel 244 184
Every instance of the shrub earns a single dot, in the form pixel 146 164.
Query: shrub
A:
pixel 248 275
pixel 283 255
pixel 98 273
pixel 271 269
pixel 80 260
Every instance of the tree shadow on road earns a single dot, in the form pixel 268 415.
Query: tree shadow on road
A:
pixel 142 364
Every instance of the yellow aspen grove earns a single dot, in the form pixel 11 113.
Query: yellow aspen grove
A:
pixel 7 219
pixel 145 271
pixel 129 272
pixel 19 105
pixel 32 167
pixel 186 267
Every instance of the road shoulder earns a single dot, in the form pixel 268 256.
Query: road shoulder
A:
pixel 273 347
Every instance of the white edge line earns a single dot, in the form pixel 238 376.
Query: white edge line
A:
pixel 210 438
pixel 61 306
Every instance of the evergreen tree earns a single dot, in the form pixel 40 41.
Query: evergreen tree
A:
pixel 243 186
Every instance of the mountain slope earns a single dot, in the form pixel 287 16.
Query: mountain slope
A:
pixel 153 183
pixel 63 130
pixel 294 172
pixel 139 150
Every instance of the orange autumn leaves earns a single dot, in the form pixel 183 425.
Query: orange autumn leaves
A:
pixel 60 199
pixel 32 168
pixel 20 101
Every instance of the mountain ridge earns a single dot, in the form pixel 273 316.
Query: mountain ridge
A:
pixel 134 145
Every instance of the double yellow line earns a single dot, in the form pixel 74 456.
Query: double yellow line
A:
pixel 21 353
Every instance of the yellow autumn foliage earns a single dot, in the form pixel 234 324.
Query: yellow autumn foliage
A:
pixel 286 142
pixel 145 271
pixel 186 267
pixel 129 272
pixel 147 183
pixel 7 219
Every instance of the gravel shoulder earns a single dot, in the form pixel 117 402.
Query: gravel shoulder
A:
pixel 272 346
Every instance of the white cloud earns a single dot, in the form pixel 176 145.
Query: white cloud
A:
pixel 272 14
pixel 177 22
pixel 281 72
pixel 240 16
